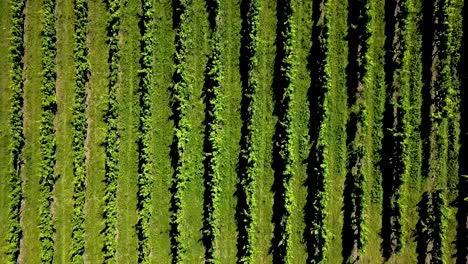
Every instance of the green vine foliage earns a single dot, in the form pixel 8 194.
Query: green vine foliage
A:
pixel 401 149
pixel 79 124
pixel 248 148
pixel 47 133
pixel 284 136
pixel 146 90
pixel 16 130
pixel 180 92
pixel 439 227
pixel 447 123
pixel 213 137
pixel 112 137
pixel 354 199
pixel 316 230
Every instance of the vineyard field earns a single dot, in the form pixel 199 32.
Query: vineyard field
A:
pixel 233 131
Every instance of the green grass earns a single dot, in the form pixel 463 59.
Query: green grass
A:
pixel 63 191
pixel 97 104
pixel 303 20
pixel 229 153
pixel 412 91
pixel 163 132
pixel 374 105
pixel 4 115
pixel 127 244
pixel 265 123
pixel 30 245
pixel 196 61
pixel 335 135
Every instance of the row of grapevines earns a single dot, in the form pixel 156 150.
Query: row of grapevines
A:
pixel 429 227
pixel 374 96
pixel 462 214
pixel 354 200
pixel 436 152
pixel 454 33
pixel 284 148
pixel 315 233
pixel 47 133
pixel 145 139
pixel 180 92
pixel 16 129
pixel 79 124
pixel 213 78
pixel 112 137
pixel 446 121
pixel 411 104
pixel 401 150
pixel 439 227
pixel 247 157
pixel 437 146
pixel 393 131
pixel 423 231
